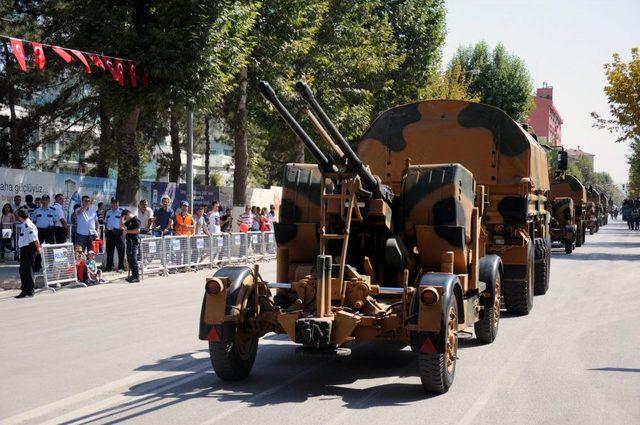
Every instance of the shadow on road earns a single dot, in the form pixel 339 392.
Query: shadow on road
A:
pixel 279 376
pixel 616 369
pixel 596 256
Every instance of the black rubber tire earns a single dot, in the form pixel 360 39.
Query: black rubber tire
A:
pixel 591 230
pixel 486 328
pixel 579 235
pixel 233 361
pixel 584 235
pixel 434 374
pixel 518 294
pixel 542 265
pixel 568 248
pixel 597 226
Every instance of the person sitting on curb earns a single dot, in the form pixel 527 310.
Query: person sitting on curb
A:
pixel 94 273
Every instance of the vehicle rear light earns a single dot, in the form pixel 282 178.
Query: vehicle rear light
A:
pixel 429 296
pixel 499 241
pixel 213 287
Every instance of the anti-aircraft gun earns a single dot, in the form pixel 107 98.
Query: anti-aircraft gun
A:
pixel 358 260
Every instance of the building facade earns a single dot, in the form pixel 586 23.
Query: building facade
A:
pixel 545 118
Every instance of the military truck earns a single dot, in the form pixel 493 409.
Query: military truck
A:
pixel 359 260
pixel 595 210
pixel 568 187
pixel 604 213
pixel 503 157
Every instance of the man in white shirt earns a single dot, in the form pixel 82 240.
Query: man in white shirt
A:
pixel 115 238
pixel 87 228
pixel 60 227
pixel 145 215
pixel 214 218
pixel 29 246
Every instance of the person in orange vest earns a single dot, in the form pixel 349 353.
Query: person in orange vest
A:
pixel 184 221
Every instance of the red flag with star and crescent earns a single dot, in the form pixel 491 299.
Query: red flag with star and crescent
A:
pixel 18 52
pixel 97 62
pixel 62 53
pixel 132 74
pixel 107 62
pixel 120 72
pixel 38 55
pixel 82 59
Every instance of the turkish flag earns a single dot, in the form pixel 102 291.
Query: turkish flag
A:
pixel 120 72
pixel 62 53
pixel 82 59
pixel 38 56
pixel 132 74
pixel 97 62
pixel 109 65
pixel 18 51
pixel 145 79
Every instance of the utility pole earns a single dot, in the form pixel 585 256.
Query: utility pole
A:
pixel 190 159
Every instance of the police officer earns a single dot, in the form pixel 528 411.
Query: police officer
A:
pixel 114 235
pixel 60 227
pixel 44 218
pixel 29 246
pixel 131 229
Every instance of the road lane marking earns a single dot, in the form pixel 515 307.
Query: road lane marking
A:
pixel 95 411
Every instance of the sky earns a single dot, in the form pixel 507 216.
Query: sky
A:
pixel 564 43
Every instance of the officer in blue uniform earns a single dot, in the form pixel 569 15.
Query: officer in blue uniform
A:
pixel 115 239
pixel 44 218
pixel 29 247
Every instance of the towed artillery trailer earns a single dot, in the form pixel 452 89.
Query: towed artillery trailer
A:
pixel 361 258
pixel 503 157
pixel 604 213
pixel 569 220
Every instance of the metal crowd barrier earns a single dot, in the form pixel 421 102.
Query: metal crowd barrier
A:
pixel 176 252
pixel 59 266
pixel 151 256
pixel 161 254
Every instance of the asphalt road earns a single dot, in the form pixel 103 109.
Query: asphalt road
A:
pixel 130 353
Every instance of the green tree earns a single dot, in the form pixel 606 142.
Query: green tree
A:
pixel 623 94
pixel 190 49
pixel 499 78
pixel 453 84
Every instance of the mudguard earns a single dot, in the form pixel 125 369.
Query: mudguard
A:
pixel 236 276
pixel 450 285
pixel 489 267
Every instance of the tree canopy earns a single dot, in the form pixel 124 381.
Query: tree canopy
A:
pixel 498 78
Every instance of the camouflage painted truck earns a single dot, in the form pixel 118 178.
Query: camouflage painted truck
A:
pixel 361 258
pixel 567 214
pixel 593 197
pixel 504 158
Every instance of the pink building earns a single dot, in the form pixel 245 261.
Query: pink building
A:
pixel 544 118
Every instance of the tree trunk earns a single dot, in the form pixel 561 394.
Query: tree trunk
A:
pixel 174 132
pixel 207 150
pixel 241 170
pixel 105 147
pixel 129 167
pixel 298 151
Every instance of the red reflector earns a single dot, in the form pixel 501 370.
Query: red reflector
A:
pixel 427 346
pixel 213 335
pixel 429 296
pixel 213 287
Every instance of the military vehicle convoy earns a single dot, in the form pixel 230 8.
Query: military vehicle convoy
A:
pixel 566 215
pixel 595 210
pixel 604 211
pixel 437 217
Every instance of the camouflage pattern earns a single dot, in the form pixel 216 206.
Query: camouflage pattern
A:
pixel 595 212
pixel 502 156
pixel 564 187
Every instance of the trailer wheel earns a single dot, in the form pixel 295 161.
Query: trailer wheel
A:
pixel 487 328
pixel 438 369
pixel 584 235
pixel 518 294
pixel 232 356
pixel 233 360
pixel 542 265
